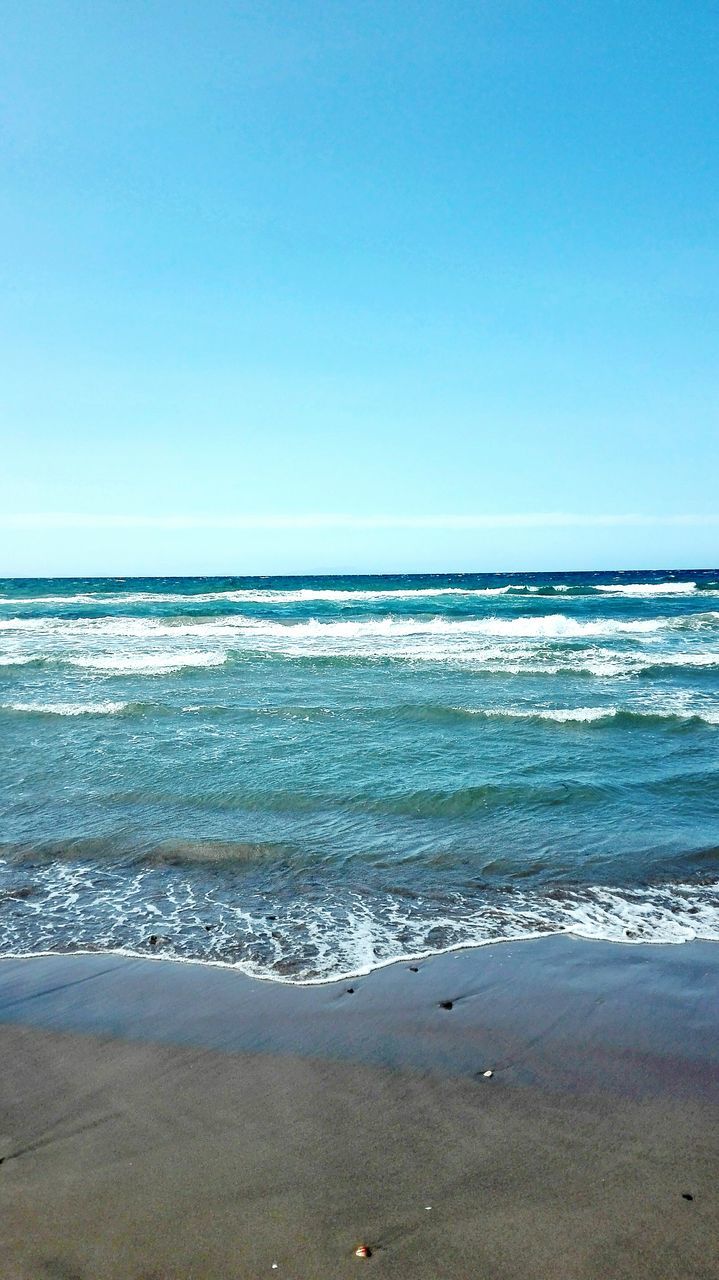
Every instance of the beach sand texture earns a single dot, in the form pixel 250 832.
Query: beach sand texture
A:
pixel 173 1121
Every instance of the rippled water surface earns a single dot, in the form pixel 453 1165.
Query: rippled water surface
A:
pixel 312 777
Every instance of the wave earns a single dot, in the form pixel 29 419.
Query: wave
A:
pixel 551 626
pixel 592 664
pixel 331 935
pixel 669 662
pixel 546 626
pixel 545 644
pixel 652 588
pixel 67 708
pixel 146 663
pixel 267 596
pixel 669 714
pixel 486 662
pixel 31 624
pixel 627 716
pixel 349 595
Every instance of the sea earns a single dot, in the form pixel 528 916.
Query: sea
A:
pixel 309 778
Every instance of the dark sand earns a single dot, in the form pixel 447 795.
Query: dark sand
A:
pixel 165 1120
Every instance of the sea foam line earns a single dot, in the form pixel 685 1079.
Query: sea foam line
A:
pixel 301 595
pixel 67 708
pixel 592 715
pixel 514 660
pixel 146 663
pixel 352 938
pixel 551 626
pixel 668 712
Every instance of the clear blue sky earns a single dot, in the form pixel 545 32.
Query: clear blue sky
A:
pixel 273 261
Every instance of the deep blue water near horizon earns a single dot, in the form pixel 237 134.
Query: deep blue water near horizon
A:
pixel 309 777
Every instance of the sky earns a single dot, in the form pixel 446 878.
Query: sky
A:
pixel 360 286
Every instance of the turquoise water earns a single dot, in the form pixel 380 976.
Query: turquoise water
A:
pixel 312 777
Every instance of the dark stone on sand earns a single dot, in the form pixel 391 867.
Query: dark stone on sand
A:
pixel 153 940
pixel 687 1195
pixel 350 991
pixel 208 927
pixel 446 1004
pixel 413 968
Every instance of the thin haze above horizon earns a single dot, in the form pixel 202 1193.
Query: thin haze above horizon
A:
pixel 360 287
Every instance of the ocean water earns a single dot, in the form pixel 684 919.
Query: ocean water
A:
pixel 309 778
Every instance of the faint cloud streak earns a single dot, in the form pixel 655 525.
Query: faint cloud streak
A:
pixel 511 520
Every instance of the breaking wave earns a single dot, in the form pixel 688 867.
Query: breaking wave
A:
pixel 357 594
pixel 545 626
pixel 67 708
pixel 670 714
pixel 146 663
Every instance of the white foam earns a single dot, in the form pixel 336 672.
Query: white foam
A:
pixel 669 710
pixel 544 626
pixel 649 588
pixel 303 595
pixel 565 715
pixel 699 659
pixel 348 595
pixel 332 938
pixel 67 708
pixel 548 626
pixel 261 595
pixel 147 663
pixel 265 596
pixel 29 624
pixel 545 644
pixel 562 715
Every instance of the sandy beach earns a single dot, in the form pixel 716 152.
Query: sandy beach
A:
pixel 163 1120
pixel 359 641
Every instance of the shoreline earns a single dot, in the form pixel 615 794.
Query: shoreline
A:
pixel 411 957
pixel 183 1121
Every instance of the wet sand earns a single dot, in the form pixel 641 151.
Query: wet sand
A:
pixel 162 1120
